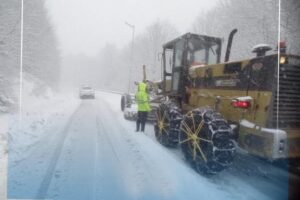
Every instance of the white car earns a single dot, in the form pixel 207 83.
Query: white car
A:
pixel 87 92
pixel 130 111
pixel 130 108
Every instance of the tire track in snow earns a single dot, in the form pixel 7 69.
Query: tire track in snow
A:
pixel 100 126
pixel 112 158
pixel 162 183
pixel 148 173
pixel 78 161
pixel 43 189
pixel 137 172
pixel 101 137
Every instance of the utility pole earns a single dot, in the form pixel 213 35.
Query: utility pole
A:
pixel 131 56
pixel 21 62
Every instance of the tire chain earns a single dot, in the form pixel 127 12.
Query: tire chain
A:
pixel 172 114
pixel 219 151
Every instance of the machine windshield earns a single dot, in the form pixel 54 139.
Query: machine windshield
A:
pixel 202 52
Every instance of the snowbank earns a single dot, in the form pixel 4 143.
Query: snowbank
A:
pixel 37 114
pixel 20 132
pixel 3 154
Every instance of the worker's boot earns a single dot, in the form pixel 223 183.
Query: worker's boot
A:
pixel 137 127
pixel 143 127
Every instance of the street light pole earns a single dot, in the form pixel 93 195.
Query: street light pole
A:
pixel 131 57
pixel 21 62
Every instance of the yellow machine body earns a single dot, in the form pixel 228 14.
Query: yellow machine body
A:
pixel 216 87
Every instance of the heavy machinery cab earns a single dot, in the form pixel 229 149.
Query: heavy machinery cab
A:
pixel 187 51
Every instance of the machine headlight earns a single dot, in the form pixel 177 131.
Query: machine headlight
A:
pixel 282 59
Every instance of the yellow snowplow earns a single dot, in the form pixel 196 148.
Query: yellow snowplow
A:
pixel 213 105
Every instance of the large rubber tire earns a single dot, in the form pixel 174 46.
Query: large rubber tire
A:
pixel 167 124
pixel 206 140
pixel 125 101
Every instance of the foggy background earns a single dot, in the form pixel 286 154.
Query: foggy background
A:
pixel 72 43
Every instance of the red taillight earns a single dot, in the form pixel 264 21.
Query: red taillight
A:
pixel 241 104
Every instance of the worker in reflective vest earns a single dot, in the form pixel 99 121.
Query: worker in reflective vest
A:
pixel 142 100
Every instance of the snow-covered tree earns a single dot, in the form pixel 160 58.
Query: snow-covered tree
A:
pixel 10 19
pixel 115 69
pixel 41 58
pixel 256 21
pixel 290 25
pixel 148 46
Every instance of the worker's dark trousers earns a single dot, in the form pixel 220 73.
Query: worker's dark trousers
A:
pixel 141 120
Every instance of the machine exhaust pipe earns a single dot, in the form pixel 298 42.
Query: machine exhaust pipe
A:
pixel 229 43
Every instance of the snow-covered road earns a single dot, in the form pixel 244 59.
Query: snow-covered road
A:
pixel 86 150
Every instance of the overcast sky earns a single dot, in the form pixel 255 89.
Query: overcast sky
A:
pixel 84 26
